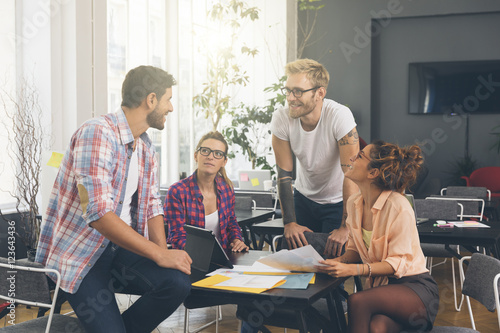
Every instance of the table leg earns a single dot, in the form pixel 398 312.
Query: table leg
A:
pixel 302 322
pixel 336 311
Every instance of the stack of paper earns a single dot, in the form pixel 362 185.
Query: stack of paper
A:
pixel 469 224
pixel 302 259
pixel 255 279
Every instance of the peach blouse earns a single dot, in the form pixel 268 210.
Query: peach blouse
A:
pixel 394 235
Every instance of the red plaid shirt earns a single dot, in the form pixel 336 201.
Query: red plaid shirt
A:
pixel 184 205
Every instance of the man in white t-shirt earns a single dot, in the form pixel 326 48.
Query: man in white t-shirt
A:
pixel 322 134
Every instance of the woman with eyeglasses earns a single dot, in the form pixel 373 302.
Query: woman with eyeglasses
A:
pixel 384 246
pixel 205 199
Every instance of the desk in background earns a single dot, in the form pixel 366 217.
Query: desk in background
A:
pixel 246 218
pixel 296 301
pixel 469 238
pixel 267 230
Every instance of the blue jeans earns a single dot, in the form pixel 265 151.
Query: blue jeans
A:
pixel 119 270
pixel 317 217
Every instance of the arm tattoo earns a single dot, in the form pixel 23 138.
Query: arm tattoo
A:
pixel 344 219
pixel 350 138
pixel 286 195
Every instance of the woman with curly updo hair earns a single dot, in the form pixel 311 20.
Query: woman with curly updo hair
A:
pixel 384 246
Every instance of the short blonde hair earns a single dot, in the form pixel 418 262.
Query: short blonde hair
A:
pixel 315 72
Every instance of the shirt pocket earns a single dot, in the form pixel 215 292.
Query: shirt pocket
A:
pixel 378 249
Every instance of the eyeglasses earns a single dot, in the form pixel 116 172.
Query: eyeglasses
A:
pixel 218 154
pixel 360 154
pixel 297 93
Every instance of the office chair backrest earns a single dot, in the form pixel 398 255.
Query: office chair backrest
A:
pixel 243 202
pixel 437 209
pixel 479 277
pixel 26 283
pixel 467 191
pixel 29 285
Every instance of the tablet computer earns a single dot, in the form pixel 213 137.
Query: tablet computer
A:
pixel 205 251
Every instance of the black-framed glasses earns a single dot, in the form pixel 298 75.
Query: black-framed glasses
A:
pixel 297 93
pixel 218 154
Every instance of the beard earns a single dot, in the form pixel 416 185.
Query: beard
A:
pixel 303 108
pixel 156 119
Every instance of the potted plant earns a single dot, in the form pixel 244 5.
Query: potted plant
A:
pixel 250 128
pixel 27 139
pixel 462 167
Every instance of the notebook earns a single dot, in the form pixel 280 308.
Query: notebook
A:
pixel 253 179
pixel 205 251
pixel 411 199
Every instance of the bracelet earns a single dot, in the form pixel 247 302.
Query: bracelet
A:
pixel 369 270
pixel 357 268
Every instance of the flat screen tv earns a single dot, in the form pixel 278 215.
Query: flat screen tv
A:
pixel 454 87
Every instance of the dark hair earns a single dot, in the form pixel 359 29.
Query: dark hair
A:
pixel 219 137
pixel 142 81
pixel 399 166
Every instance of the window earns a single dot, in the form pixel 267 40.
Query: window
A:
pixel 169 35
pixel 7 68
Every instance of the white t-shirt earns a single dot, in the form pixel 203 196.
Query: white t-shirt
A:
pixel 319 175
pixel 132 184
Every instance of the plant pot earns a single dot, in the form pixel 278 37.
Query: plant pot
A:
pixel 31 254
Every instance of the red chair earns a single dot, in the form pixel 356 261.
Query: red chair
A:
pixel 488 177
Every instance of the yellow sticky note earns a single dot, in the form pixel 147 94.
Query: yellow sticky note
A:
pixel 255 182
pixel 55 160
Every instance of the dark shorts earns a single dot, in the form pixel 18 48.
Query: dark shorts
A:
pixel 426 288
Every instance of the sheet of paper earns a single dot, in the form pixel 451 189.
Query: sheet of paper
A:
pixel 212 281
pixel 297 281
pixel 251 281
pixel 302 259
pixel 469 224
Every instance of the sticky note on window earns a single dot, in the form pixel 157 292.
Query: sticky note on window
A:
pixel 244 177
pixel 55 160
pixel 255 182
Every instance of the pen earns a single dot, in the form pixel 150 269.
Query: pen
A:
pixel 444 225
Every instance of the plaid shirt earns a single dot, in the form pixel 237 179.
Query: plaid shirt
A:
pixel 91 182
pixel 184 205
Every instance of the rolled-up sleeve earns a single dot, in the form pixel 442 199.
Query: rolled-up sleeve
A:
pixel 93 155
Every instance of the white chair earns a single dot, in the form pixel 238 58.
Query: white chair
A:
pixel 32 288
pixel 218 318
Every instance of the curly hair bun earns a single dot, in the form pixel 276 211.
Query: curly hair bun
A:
pixel 399 166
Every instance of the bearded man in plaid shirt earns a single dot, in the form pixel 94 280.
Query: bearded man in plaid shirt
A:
pixel 104 228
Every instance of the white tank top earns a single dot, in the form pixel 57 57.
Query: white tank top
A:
pixel 132 184
pixel 212 223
